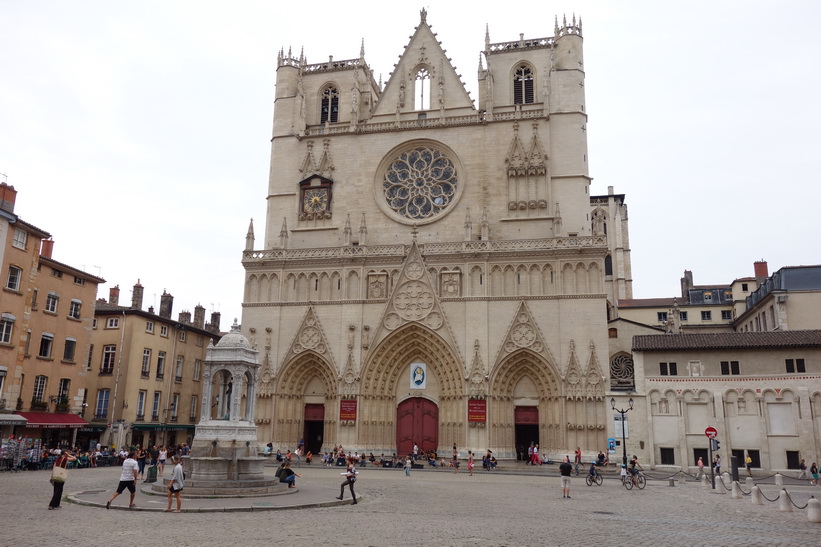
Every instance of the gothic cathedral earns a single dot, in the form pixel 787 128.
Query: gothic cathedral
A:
pixel 435 270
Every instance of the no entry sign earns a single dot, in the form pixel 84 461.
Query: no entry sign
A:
pixel 711 432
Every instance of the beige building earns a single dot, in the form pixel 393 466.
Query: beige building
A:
pixel 760 390
pixel 145 369
pixel 45 329
pixel 434 270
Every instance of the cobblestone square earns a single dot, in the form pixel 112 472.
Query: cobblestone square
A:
pixel 516 505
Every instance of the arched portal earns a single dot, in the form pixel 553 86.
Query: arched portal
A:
pixel 305 403
pixel 417 422
pixel 526 405
pixel 387 380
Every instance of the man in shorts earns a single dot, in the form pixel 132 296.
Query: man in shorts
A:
pixel 128 479
pixel 565 468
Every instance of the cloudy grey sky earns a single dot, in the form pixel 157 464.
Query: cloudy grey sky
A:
pixel 137 133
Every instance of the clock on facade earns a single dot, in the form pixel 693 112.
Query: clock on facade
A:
pixel 315 200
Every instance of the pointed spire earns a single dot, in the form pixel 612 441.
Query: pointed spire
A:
pixel 564 20
pixel 362 51
pixel 423 16
pixel 346 232
pixel 363 231
pixel 574 19
pixel 487 37
pixel 481 66
pixel 249 237
pixel 283 234
pixel 557 222
pixel 485 226
pixel 556 25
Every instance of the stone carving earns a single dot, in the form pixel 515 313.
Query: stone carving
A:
pixel 310 337
pixel 451 284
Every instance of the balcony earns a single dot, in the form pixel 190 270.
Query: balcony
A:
pixel 178 379
pixel 173 419
pixel 155 417
pixel 100 416
pixel 140 418
pixel 106 371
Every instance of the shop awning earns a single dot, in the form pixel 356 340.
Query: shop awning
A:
pixel 12 419
pixel 49 420
pixel 163 427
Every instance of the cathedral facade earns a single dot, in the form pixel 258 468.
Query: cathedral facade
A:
pixel 435 270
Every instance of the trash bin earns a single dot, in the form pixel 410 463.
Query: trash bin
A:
pixel 152 474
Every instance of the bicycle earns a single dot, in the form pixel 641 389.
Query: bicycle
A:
pixel 627 481
pixel 634 480
pixel 597 478
pixel 641 482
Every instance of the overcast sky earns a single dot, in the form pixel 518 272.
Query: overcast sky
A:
pixel 137 133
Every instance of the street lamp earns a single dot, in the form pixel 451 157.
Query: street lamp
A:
pixel 622 411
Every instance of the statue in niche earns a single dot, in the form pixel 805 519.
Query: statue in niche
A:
pixel 742 405
pixel 664 406
pixel 402 94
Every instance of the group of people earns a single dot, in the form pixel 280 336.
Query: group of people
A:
pixel 813 471
pixel 131 471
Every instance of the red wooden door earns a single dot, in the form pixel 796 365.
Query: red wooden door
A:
pixel 526 415
pixel 417 421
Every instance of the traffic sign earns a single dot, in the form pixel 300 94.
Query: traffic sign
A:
pixel 711 432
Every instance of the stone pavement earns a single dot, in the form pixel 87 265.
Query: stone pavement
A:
pixel 516 505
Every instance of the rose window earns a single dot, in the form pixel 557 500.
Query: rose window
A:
pixel 420 183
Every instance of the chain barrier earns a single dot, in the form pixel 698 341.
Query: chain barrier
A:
pixel 721 480
pixel 778 497
pixel 649 476
pixel 789 497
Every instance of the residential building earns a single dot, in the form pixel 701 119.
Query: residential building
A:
pixel 45 332
pixel 145 371
pixel 760 390
pixel 790 299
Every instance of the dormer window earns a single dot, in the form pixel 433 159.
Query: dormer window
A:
pixel 421 90
pixel 523 85
pixel 330 105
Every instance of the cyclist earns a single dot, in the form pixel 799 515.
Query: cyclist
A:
pixel 634 463
pixel 592 470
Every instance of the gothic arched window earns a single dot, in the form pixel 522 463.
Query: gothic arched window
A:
pixel 523 85
pixel 421 90
pixel 330 105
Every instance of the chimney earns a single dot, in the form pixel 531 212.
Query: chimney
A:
pixel 151 310
pixel 114 295
pixel 215 321
pixel 166 304
pixel 8 195
pixel 185 317
pixel 199 316
pixel 686 285
pixel 760 268
pixel 46 248
pixel 137 296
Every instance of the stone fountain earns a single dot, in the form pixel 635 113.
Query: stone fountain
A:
pixel 224 458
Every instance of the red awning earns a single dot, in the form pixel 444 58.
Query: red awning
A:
pixel 50 420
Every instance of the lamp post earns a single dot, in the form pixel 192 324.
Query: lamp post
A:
pixel 622 411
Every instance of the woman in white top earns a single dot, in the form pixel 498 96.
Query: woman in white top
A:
pixel 176 484
pixel 161 459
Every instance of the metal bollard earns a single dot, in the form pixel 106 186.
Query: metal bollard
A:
pixel 814 510
pixel 736 494
pixel 779 479
pixel 755 496
pixel 784 502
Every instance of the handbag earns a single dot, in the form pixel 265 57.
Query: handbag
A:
pixel 59 474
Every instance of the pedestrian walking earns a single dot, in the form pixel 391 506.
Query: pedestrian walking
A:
pixel 717 464
pixel 455 460
pixel 565 469
pixel 350 479
pixel 749 464
pixel 803 467
pixel 700 464
pixel 128 479
pixel 59 474
pixel 141 455
pixel 814 473
pixel 408 466
pixel 471 464
pixel 578 459
pixel 161 461
pixel 175 485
